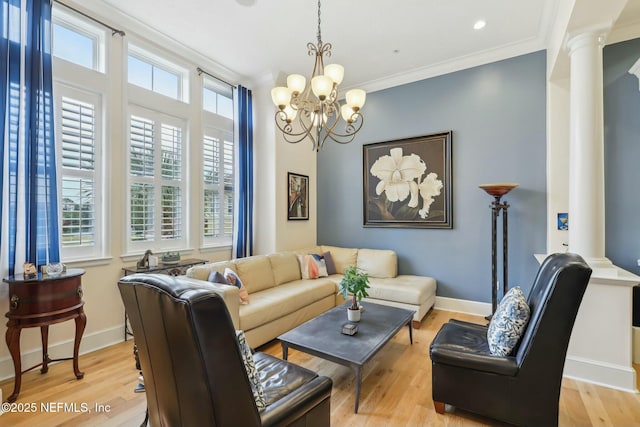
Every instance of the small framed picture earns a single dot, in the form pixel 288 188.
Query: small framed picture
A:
pixel 297 196
pixel 563 221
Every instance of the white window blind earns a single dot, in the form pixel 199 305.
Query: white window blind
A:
pixel 78 130
pixel 218 158
pixel 156 182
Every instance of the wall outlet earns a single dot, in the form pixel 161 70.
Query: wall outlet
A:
pixel 638 261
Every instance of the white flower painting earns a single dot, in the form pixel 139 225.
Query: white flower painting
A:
pixel 402 187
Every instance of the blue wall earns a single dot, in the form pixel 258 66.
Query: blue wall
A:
pixel 622 154
pixel 497 115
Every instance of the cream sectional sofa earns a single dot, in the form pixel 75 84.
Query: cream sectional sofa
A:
pixel 281 300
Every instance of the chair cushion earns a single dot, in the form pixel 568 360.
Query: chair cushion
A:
pixel 508 323
pixel 465 345
pixel 279 377
pixel 252 372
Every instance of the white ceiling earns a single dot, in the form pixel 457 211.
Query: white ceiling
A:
pixel 378 41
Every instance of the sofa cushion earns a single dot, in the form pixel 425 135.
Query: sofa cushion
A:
pixel 309 250
pixel 284 266
pixel 278 301
pixel 255 272
pixel 342 257
pixel 378 262
pixel 202 271
pixel 404 288
pixel 312 266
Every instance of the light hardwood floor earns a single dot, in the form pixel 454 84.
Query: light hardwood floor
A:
pixel 396 390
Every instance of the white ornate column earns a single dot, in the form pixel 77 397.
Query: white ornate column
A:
pixel 586 150
pixel 600 349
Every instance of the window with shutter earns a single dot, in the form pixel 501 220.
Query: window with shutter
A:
pixel 218 158
pixel 78 118
pixel 156 184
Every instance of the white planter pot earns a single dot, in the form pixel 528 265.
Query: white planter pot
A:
pixel 353 315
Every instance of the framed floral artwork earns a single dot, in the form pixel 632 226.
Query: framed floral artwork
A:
pixel 407 182
pixel 297 196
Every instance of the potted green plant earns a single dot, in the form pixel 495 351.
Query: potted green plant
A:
pixel 355 282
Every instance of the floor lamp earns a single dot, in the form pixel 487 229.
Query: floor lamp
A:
pixel 497 191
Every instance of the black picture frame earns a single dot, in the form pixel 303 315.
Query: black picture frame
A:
pixel 401 190
pixel 297 197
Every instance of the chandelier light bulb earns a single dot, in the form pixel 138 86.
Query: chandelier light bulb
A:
pixel 335 72
pixel 356 98
pixel 296 83
pixel 290 112
pixel 280 96
pixel 347 113
pixel 321 86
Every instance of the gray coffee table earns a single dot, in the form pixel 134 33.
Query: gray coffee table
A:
pixel 322 336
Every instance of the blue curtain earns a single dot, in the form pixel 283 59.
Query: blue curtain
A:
pixel 243 224
pixel 27 126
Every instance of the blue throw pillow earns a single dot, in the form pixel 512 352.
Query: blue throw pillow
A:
pixel 508 323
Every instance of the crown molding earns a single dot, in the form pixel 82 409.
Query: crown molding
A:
pixel 457 64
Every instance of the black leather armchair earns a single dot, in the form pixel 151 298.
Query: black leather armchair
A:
pixel 193 369
pixel 523 388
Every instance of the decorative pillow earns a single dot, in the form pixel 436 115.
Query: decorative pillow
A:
pixel 328 260
pixel 216 277
pixel 508 323
pixel 234 280
pixel 252 372
pixel 312 266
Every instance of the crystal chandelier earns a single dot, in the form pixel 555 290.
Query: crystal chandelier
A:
pixel 314 111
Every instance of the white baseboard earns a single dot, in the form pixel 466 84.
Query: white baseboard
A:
pixel 90 342
pixel 603 374
pixel 463 306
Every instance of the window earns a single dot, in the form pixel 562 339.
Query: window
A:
pixel 77 42
pixel 155 74
pixel 217 99
pixel 218 188
pixel 79 156
pixel 156 184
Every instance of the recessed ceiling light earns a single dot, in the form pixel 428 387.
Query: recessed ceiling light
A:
pixel 479 24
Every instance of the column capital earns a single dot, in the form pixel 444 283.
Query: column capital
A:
pixel 635 70
pixel 591 36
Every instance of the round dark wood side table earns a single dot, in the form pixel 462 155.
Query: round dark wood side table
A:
pixel 40 301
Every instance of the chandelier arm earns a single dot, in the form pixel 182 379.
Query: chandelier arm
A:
pixel 287 129
pixel 347 137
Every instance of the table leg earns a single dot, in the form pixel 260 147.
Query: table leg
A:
pixel 13 343
pixel 285 352
pixel 410 332
pixel 81 322
pixel 358 383
pixel 44 332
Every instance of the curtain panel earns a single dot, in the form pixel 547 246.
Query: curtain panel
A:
pixel 243 219
pixel 30 225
